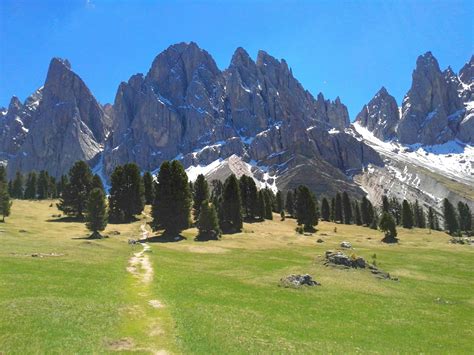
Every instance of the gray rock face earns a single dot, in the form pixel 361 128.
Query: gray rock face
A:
pixel 186 107
pixel 68 125
pixel 380 115
pixel 15 123
pixel 437 108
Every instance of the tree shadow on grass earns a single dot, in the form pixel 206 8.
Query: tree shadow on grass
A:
pixel 67 219
pixel 165 238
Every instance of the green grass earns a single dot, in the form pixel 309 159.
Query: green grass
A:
pixel 81 301
pixel 223 296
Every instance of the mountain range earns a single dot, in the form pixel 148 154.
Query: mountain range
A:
pixel 253 118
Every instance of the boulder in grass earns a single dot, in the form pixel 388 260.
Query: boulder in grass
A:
pixel 346 245
pixel 298 281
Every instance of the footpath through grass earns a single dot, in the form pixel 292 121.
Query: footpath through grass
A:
pixel 76 296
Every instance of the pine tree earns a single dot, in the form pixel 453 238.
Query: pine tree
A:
pixel 208 223
pixel 279 202
pixel 201 194
pixel 17 188
pixel 172 205
pixel 407 215
pixel 306 212
pixel 325 210
pixel 30 189
pixel 332 215
pixel 450 218
pixel 366 211
pixel 465 217
pixel 3 174
pixel 53 192
pixel 76 192
pixel 61 184
pixel 43 185
pixel 97 183
pixel 5 203
pixel 231 205
pixel 431 218
pixel 148 187
pixel 338 209
pixel 267 193
pixel 385 204
pixel 347 208
pixel 96 212
pixel 388 226
pixel 261 208
pixel 396 210
pixel 127 197
pixel 289 205
pixel 357 215
pixel 248 193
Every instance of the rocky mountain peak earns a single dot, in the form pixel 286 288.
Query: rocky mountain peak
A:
pixel 380 115
pixel 466 74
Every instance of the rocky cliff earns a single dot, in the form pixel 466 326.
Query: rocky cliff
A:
pixel 437 109
pixel 58 125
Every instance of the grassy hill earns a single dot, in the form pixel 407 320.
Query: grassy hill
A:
pixel 224 296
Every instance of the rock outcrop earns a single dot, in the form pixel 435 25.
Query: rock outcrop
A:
pixel 67 125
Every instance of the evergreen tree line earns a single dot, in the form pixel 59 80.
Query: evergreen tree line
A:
pixel 36 186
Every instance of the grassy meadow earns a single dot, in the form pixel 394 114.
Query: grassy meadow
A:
pixel 223 296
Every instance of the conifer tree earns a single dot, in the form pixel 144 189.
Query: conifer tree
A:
pixel 63 181
pixel 450 218
pixel 289 205
pixel 347 208
pixel 357 215
pixel 465 217
pixel 396 210
pixel 148 187
pixel 30 189
pixel 388 226
pixel 17 188
pixel 366 211
pixel 76 192
pixel 267 193
pixel 231 205
pixel 5 203
pixel 208 223
pixel 3 174
pixel 325 210
pixel 201 194
pixel 97 183
pixel 96 213
pixel 53 192
pixel 407 215
pixel 43 185
pixel 332 215
pixel 216 197
pixel 10 187
pixel 431 218
pixel 338 209
pixel 385 204
pixel 172 205
pixel 279 202
pixel 127 197
pixel 261 207
pixel 306 212
pixel 248 193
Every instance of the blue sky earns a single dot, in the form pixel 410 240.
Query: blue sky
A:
pixel 341 48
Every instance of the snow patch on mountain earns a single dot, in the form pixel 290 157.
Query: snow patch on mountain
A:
pixel 453 158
